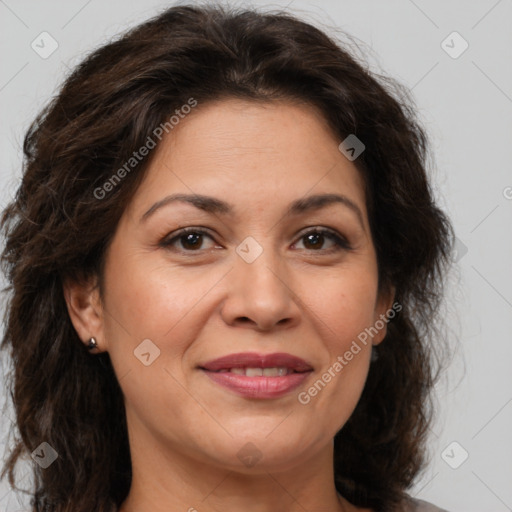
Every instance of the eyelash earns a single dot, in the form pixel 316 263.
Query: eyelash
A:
pixel 340 242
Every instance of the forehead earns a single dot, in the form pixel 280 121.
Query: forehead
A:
pixel 251 154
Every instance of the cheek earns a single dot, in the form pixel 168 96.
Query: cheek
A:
pixel 155 302
pixel 151 300
pixel 345 304
pixel 345 311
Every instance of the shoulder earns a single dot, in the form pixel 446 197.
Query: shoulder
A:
pixel 415 505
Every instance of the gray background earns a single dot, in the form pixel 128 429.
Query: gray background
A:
pixel 465 104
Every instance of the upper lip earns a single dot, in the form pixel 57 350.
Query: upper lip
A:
pixel 255 360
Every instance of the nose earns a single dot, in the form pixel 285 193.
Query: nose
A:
pixel 259 295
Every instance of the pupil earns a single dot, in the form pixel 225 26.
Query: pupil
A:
pixel 192 239
pixel 315 237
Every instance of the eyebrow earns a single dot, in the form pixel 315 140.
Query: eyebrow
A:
pixel 217 206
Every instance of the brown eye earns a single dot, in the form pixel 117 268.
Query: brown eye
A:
pixel 190 240
pixel 315 239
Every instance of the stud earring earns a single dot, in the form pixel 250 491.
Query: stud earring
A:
pixel 92 344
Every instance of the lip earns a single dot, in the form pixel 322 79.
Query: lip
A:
pixel 258 387
pixel 255 360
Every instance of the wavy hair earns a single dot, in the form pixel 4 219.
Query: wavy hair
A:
pixel 56 228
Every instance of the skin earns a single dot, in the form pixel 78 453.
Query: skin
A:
pixel 201 300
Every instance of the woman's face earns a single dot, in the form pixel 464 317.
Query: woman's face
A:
pixel 252 277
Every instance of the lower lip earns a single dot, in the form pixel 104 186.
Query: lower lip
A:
pixel 258 387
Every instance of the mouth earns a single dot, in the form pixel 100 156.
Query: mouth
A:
pixel 253 364
pixel 255 375
pixel 276 371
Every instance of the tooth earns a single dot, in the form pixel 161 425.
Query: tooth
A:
pixel 254 372
pixel 259 372
pixel 275 372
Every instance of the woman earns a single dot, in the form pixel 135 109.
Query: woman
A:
pixel 225 262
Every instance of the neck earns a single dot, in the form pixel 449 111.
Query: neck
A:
pixel 170 479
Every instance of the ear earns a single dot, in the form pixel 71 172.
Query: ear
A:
pixel 385 309
pixel 85 310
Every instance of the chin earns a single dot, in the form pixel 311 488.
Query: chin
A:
pixel 261 453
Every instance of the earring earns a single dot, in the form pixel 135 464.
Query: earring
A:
pixel 92 344
pixel 375 355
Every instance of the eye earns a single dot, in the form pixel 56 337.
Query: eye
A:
pixel 315 238
pixel 191 239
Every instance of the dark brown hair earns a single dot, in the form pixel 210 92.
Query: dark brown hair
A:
pixel 56 228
